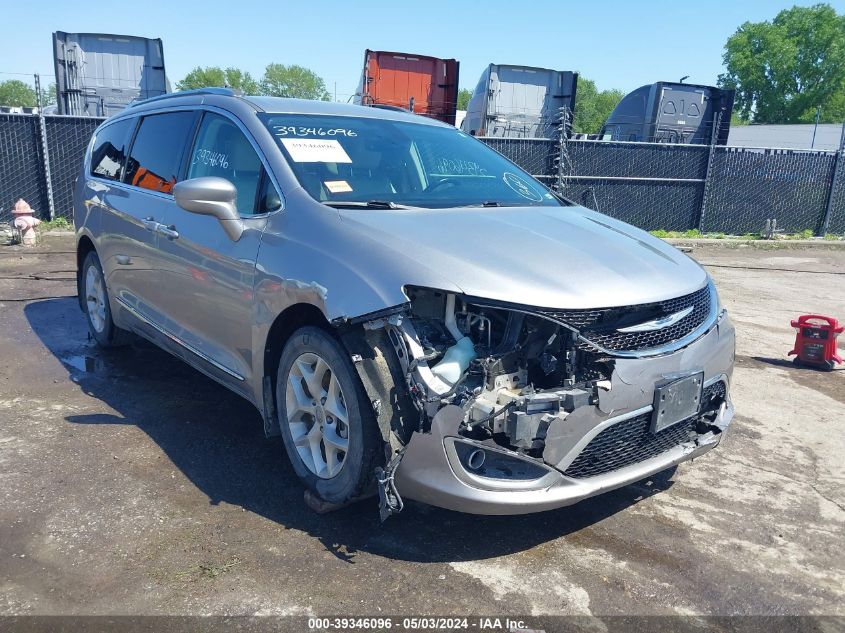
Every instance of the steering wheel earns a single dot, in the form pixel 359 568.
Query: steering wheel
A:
pixel 448 181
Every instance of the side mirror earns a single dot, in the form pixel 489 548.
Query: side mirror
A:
pixel 212 196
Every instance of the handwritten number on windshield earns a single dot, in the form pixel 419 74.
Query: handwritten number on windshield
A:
pixel 293 130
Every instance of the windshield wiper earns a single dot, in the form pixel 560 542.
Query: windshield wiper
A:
pixel 370 204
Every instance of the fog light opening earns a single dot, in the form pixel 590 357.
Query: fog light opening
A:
pixel 476 459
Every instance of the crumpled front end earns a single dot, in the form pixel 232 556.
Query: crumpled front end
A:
pixel 522 410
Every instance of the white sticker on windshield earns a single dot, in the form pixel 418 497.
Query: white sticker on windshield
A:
pixel 522 187
pixel 337 186
pixel 315 151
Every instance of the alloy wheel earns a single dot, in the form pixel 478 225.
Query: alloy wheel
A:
pixel 95 298
pixel 317 415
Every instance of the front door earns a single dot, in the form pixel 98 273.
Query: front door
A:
pixel 207 278
pixel 134 195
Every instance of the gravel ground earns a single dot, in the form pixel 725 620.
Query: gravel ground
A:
pixel 131 484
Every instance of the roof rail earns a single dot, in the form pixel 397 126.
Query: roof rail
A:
pixel 226 92
pixel 384 106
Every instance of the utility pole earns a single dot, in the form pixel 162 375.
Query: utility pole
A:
pixel 816 127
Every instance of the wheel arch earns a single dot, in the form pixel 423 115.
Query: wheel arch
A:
pixel 283 326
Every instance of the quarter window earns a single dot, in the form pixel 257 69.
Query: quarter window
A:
pixel 156 154
pixel 222 150
pixel 109 151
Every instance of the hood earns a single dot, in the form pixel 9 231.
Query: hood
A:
pixel 550 257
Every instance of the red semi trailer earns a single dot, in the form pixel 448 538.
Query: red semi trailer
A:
pixel 425 85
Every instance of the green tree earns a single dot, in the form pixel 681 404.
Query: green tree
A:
pixel 783 69
pixel 242 80
pixel 48 97
pixel 464 96
pixel 214 76
pixel 17 93
pixel 736 119
pixel 293 81
pixel 202 78
pixel 593 106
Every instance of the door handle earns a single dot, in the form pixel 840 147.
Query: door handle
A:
pixel 149 223
pixel 168 231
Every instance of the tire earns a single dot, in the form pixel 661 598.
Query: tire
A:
pixel 95 302
pixel 314 435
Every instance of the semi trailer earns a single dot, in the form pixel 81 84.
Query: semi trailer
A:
pixel 520 101
pixel 99 74
pixel 417 83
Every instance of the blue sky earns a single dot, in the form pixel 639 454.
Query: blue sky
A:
pixel 617 44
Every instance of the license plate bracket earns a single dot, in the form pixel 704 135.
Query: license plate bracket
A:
pixel 676 401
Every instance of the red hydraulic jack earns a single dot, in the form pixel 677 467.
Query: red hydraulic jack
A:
pixel 815 342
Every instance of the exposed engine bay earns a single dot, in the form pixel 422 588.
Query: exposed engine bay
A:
pixel 512 373
pixel 520 386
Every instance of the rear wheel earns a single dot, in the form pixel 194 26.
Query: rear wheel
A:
pixel 327 422
pixel 96 305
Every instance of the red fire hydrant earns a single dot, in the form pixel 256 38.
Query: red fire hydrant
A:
pixel 815 342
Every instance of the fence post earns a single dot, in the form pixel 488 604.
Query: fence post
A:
pixel 38 100
pixel 563 155
pixel 837 163
pixel 45 157
pixel 708 172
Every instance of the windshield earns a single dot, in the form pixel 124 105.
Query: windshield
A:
pixel 341 159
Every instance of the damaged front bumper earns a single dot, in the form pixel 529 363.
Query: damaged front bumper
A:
pixel 437 465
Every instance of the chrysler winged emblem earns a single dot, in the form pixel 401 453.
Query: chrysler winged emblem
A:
pixel 657 324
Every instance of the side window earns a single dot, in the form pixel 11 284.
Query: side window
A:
pixel 222 150
pixel 157 151
pixel 109 152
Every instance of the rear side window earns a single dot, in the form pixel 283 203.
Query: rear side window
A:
pixel 223 151
pixel 156 153
pixel 109 151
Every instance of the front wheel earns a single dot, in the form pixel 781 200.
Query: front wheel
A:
pixel 326 420
pixel 96 305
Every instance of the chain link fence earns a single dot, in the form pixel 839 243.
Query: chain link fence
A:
pixel 749 186
pixel 40 157
pixel 836 202
pixel 672 187
pixel 22 173
pixel 650 185
pixel 67 138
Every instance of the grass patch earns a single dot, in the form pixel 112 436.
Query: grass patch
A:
pixel 692 234
pixel 56 224
pixel 806 234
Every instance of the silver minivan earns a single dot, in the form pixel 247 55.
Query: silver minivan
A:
pixel 416 316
